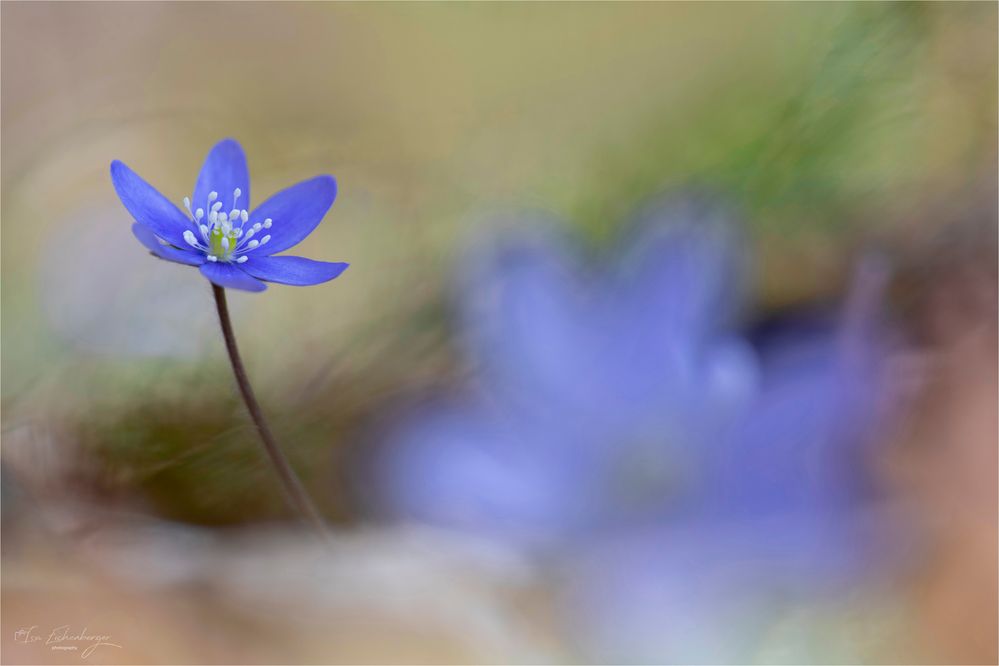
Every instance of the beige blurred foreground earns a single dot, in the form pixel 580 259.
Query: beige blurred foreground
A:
pixel 148 592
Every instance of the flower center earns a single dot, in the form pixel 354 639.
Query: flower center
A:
pixel 644 475
pixel 224 236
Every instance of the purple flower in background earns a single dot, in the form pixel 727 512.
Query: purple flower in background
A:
pixel 624 419
pixel 625 395
pixel 230 245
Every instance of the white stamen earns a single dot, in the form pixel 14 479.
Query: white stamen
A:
pixel 234 213
pixel 187 204
pixel 257 226
pixel 225 243
pixel 223 217
pixel 250 232
pixel 252 244
pixel 204 231
pixel 198 214
pixel 217 206
pixel 264 240
pixel 243 215
pixel 191 240
pixel 241 260
pixel 267 223
pixel 212 257
pixel 212 196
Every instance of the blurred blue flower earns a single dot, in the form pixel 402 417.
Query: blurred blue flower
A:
pixel 625 396
pixel 624 419
pixel 231 246
pixel 689 473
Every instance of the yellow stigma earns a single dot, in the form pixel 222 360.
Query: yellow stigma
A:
pixel 218 245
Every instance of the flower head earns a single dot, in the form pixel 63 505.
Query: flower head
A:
pixel 625 396
pixel 685 471
pixel 232 246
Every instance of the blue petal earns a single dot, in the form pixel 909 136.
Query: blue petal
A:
pixel 296 271
pixel 801 444
pixel 532 329
pixel 296 211
pixel 224 170
pixel 704 592
pixel 227 275
pixel 554 335
pixel 684 271
pixel 149 206
pixel 149 239
pixel 466 470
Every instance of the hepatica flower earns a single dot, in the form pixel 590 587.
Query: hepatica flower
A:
pixel 626 421
pixel 236 248
pixel 232 245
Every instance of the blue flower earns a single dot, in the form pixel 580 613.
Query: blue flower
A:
pixel 230 245
pixel 688 472
pixel 625 396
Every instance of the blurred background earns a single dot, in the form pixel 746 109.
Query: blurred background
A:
pixel 137 504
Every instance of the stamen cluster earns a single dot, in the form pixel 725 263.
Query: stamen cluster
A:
pixel 225 236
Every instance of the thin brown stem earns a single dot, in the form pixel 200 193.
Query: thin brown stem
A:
pixel 294 491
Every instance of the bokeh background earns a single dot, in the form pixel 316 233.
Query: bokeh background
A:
pixel 136 501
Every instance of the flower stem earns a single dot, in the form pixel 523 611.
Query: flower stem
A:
pixel 294 491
